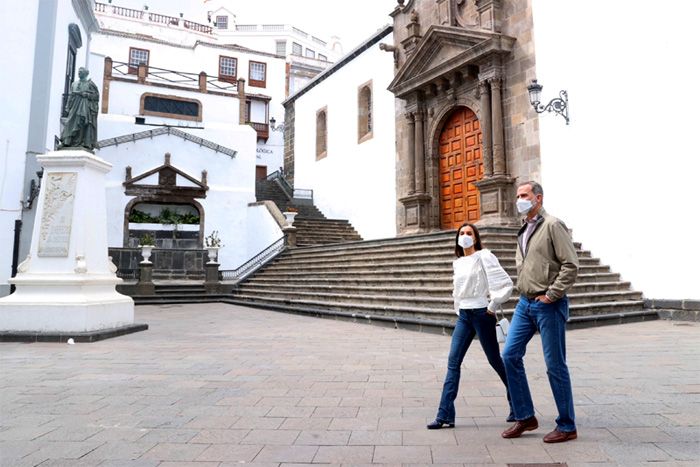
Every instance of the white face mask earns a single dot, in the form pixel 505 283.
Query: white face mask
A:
pixel 523 205
pixel 465 241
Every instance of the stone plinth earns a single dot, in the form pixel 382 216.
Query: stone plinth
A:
pixel 67 282
pixel 497 202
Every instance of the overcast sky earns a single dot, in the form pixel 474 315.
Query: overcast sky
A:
pixel 352 21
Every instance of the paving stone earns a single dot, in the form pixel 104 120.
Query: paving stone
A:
pixel 323 438
pixel 230 453
pixel 287 454
pixel 344 454
pixel 376 438
pixel 402 454
pixel 285 379
pixel 461 454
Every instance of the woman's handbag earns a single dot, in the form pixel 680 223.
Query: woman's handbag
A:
pixel 503 324
pixel 502 327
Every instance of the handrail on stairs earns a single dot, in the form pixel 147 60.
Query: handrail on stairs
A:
pixel 304 194
pixel 255 263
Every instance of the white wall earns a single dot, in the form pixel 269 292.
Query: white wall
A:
pixel 263 229
pixel 18 57
pixel 621 175
pixel 231 181
pixel 125 99
pixel 355 181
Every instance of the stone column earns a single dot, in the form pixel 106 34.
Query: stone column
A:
pixel 411 157
pixel 106 79
pixel 419 153
pixel 211 278
pixel 290 236
pixel 241 101
pixel 499 157
pixel 145 284
pixel 202 82
pixel 487 149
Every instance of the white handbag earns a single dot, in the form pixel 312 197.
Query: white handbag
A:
pixel 502 327
pixel 503 324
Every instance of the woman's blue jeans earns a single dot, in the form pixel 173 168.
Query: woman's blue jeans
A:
pixel 470 323
pixel 550 320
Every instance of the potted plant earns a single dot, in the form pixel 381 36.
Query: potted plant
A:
pixel 212 243
pixel 289 214
pixel 146 244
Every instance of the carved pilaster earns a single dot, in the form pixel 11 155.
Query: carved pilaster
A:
pixel 499 157
pixel 411 153
pixel 486 141
pixel 420 152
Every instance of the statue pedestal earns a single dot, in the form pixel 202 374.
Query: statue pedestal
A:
pixel 67 283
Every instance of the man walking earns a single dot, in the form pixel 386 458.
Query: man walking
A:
pixel 547 267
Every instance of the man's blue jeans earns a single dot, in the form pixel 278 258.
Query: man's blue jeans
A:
pixel 550 320
pixel 470 323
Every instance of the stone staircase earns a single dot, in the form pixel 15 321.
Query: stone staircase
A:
pixel 312 226
pixel 409 279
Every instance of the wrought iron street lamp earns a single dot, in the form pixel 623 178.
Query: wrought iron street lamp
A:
pixel 274 127
pixel 558 105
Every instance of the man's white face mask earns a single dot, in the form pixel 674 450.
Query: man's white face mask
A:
pixel 524 206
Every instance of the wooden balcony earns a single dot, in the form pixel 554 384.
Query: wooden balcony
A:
pixel 263 129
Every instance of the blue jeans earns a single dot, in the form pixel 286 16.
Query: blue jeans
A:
pixel 550 320
pixel 469 324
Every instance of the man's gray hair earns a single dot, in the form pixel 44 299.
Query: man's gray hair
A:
pixel 536 187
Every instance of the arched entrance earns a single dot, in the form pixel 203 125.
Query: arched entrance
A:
pixel 460 166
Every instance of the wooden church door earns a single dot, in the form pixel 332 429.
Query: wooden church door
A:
pixel 460 166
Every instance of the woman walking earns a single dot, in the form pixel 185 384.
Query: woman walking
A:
pixel 480 287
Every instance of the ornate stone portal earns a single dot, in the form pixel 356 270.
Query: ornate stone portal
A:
pixel 460 60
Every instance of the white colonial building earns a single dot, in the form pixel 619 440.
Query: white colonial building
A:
pixel 189 118
pixel 342 138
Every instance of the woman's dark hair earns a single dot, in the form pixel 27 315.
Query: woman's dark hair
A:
pixel 477 239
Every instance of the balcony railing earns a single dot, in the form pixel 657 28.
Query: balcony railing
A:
pixel 152 17
pixel 193 81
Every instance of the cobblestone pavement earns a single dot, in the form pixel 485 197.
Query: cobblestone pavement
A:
pixel 222 385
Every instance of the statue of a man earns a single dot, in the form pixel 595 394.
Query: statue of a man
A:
pixel 80 130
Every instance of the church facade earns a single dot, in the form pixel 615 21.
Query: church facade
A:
pixel 465 130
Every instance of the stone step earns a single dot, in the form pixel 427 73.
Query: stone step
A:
pixel 414 250
pixel 412 284
pixel 388 296
pixel 417 257
pixel 423 310
pixel 177 299
pixel 406 274
pixel 394 266
pixel 402 287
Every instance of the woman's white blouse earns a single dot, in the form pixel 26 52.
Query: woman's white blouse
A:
pixel 480 281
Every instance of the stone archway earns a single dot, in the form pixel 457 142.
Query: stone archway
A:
pixel 460 166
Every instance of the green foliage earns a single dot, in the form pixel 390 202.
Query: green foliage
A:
pixel 146 240
pixel 166 216
pixel 140 217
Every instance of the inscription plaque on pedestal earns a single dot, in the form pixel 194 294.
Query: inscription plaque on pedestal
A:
pixel 57 216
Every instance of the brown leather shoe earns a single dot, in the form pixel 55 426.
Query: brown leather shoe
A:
pixel 557 436
pixel 520 427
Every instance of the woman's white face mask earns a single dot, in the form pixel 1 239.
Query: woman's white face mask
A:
pixel 465 241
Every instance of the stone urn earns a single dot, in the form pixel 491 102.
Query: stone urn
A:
pixel 213 253
pixel 146 251
pixel 289 217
